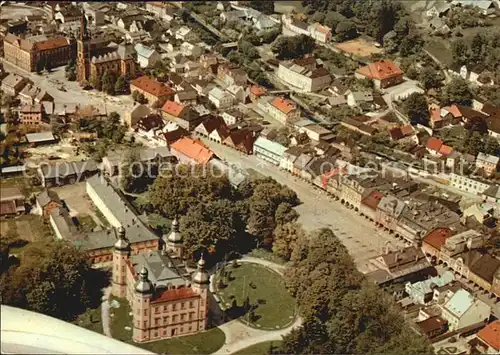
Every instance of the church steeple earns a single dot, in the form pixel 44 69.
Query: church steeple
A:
pixel 84 34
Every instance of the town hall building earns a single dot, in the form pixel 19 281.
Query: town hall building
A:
pixel 166 300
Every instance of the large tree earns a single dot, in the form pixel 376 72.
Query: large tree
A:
pixel 287 47
pixel 285 239
pixel 457 91
pixel 53 278
pixel 174 193
pixel 416 108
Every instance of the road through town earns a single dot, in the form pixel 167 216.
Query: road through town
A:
pixel 317 210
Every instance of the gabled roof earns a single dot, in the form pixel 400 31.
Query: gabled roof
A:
pixel 491 335
pixel 193 149
pixel 152 86
pixel 486 267
pixel 284 105
pixel 434 144
pixel 437 237
pixel 172 108
pixel 382 69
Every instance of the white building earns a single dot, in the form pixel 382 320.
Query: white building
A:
pixel 304 75
pixel 221 99
pixel 239 93
pixel 189 49
pixel 146 56
pixel 282 110
pixel 186 34
pixel 463 310
pixel 468 184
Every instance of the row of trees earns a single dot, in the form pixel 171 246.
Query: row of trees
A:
pixel 217 217
pixel 110 83
pixel 343 313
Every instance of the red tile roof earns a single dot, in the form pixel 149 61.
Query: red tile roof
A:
pixel 445 150
pixel 407 130
pixel 258 90
pixel 435 113
pixel 396 133
pixel 52 43
pixel 491 335
pixel 153 87
pixel 382 69
pixel 175 294
pixel 172 108
pixel 284 105
pixel 437 237
pixel 453 109
pixel 434 144
pixel 193 149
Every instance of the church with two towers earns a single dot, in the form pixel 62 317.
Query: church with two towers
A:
pixel 166 300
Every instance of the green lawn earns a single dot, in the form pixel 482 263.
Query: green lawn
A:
pixel 202 343
pixel 86 223
pixel 275 307
pixel 90 320
pixel 259 348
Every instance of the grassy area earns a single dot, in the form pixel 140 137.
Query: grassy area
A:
pixel 101 217
pixel 259 348
pixel 265 289
pixel 266 255
pixel 202 343
pixel 90 320
pixel 86 223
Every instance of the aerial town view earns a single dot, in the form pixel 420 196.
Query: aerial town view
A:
pixel 250 177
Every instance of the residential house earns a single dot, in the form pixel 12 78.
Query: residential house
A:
pixel 389 211
pixel 357 98
pixel 304 74
pixel 46 201
pixel 184 116
pixel 457 244
pixel 257 92
pixel 188 150
pixel 232 116
pixel 173 135
pixel 186 34
pixel 356 187
pixel 155 92
pixel 191 50
pixel 232 75
pixel 241 139
pixel 289 157
pixel 220 98
pixel 320 33
pixel 436 147
pixel 239 93
pixel 146 56
pixel 31 95
pixel 403 134
pixel 315 132
pixel 31 115
pixel 493 123
pixel 488 339
pixel 202 87
pixel 186 97
pixel 475 74
pixel 492 194
pixel 384 73
pixel 111 164
pixel 268 150
pixel 283 110
pixel 488 163
pixel 439 9
pixel 434 240
pixel 150 125
pixel 483 271
pixel 463 310
pixel 162 10
pixel 206 127
pixel 422 292
pixel 432 327
pixel 397 265
pixel 300 164
pixel 12 84
pixel 360 125
pixel 11 201
pixel 137 112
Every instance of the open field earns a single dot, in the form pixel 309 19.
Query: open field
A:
pixel 359 47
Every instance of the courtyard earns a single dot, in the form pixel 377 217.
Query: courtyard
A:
pixel 256 295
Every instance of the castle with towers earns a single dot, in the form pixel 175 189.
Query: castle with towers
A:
pixel 166 300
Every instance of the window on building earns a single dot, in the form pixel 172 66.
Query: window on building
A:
pixel 174 318
pixel 165 320
pixel 174 307
pixel 145 324
pixel 182 305
pixel 157 321
pixel 191 305
pixel 145 312
pixel 191 315
pixel 156 334
pixel 164 308
pixel 157 309
pixel 183 316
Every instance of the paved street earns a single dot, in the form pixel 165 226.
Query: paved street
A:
pixel 317 210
